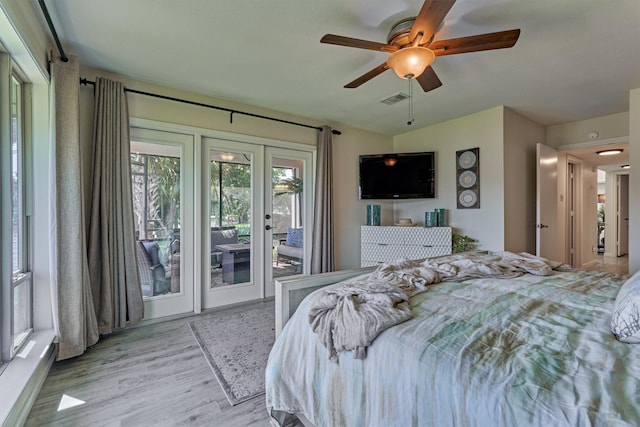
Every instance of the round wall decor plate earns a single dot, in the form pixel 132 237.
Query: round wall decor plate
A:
pixel 467 179
pixel 468 198
pixel 467 159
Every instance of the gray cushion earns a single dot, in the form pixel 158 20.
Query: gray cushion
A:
pixel 152 249
pixel 290 251
pixel 223 237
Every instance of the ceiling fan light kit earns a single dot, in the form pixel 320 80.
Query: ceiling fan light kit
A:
pixel 410 62
pixel 412 49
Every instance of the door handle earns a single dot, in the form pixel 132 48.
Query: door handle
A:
pixel 542 226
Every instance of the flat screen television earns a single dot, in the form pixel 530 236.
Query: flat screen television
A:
pixel 398 176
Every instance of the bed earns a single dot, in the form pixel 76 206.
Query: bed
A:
pixel 530 350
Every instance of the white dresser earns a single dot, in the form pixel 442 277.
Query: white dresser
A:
pixel 385 244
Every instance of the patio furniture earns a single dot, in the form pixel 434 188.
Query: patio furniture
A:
pixel 236 262
pixel 155 279
pixel 174 250
pixel 291 248
pixel 221 236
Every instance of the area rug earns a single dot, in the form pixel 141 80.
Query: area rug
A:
pixel 237 344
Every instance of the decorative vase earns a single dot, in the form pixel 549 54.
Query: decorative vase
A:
pixel 373 214
pixel 441 217
pixel 430 219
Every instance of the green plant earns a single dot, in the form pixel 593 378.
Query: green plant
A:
pixel 601 213
pixel 461 243
pixel 288 186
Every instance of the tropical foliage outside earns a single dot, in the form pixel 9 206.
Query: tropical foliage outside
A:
pixel 156 196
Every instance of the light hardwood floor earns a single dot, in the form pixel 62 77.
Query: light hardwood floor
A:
pixel 619 265
pixel 152 375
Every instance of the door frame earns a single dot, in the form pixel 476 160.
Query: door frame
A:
pixel 577 192
pixel 198 246
pixel 622 214
pixel 254 288
pixel 308 182
pixel 183 302
pixel 258 288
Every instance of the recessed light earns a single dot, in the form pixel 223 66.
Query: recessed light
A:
pixel 625 166
pixel 611 152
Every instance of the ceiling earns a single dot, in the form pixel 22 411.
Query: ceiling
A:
pixel 575 59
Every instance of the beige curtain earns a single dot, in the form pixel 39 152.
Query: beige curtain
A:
pixel 115 283
pixel 322 242
pixel 72 301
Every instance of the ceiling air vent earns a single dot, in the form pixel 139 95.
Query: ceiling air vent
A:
pixel 395 98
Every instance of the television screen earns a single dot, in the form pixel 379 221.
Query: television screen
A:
pixel 398 176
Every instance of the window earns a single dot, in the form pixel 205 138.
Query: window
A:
pixel 17 289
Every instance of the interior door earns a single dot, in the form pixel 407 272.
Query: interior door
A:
pixel 162 183
pixel 622 214
pixel 232 238
pixel 288 213
pixel 546 202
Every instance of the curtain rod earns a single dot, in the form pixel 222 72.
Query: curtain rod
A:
pixel 84 81
pixel 45 11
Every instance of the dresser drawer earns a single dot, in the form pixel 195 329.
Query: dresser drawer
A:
pixel 406 235
pixel 377 253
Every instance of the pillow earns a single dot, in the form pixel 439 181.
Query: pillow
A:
pixel 625 319
pixel 294 237
pixel 152 250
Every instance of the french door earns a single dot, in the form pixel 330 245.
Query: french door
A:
pixel 288 214
pixel 253 194
pixel 163 196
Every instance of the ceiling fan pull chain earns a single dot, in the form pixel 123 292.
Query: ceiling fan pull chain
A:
pixel 411 119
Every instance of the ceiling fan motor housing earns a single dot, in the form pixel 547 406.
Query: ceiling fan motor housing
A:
pixel 399 33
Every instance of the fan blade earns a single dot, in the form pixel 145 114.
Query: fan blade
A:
pixel 489 41
pixel 358 43
pixel 429 80
pixel 430 17
pixel 367 76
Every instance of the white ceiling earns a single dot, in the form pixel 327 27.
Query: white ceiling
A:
pixel 575 59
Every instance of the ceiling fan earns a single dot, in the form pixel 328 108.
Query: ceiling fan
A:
pixel 410 43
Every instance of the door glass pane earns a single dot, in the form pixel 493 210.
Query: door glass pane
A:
pixel 155 173
pixel 21 309
pixel 17 203
pixel 287 217
pixel 230 218
pixel 21 284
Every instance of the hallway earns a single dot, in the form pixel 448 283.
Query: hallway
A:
pixel 619 265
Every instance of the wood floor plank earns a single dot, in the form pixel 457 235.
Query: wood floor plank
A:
pixel 153 375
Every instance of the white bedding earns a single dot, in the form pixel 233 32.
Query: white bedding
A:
pixel 527 351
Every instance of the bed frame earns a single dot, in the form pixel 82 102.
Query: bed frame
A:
pixel 291 290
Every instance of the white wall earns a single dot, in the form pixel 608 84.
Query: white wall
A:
pixel 608 127
pixel 634 180
pixel 520 138
pixel 349 211
pixel 483 130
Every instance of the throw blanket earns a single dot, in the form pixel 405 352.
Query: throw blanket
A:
pixel 351 316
